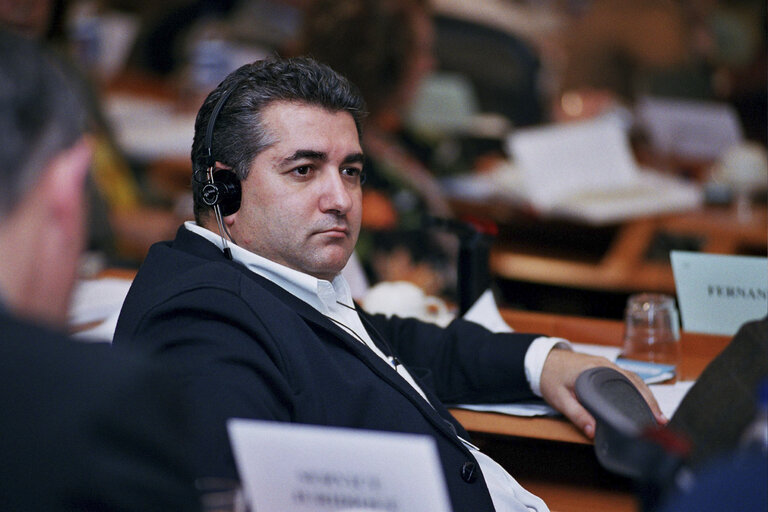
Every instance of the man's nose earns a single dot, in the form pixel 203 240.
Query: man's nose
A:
pixel 335 194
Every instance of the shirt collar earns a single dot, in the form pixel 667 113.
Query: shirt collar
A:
pixel 321 294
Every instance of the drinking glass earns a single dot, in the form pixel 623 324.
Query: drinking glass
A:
pixel 651 329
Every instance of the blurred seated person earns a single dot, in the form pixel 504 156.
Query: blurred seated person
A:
pixel 159 48
pixel 85 426
pixel 124 222
pixel 691 49
pixel 171 30
pixel 616 45
pixel 384 47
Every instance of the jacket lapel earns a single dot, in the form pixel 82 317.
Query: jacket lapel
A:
pixel 197 245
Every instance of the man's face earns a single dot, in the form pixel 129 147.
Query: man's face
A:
pixel 302 201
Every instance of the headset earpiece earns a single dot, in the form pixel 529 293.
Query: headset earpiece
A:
pixel 224 191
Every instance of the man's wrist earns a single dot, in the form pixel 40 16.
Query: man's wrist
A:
pixel 536 356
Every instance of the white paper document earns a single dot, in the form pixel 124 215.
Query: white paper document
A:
pixel 669 396
pixel 585 170
pixel 485 312
pixel 699 130
pixel 718 293
pixel 94 300
pixel 304 468
pixel 148 129
pixel 539 407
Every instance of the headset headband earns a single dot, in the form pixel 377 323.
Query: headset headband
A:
pixel 210 162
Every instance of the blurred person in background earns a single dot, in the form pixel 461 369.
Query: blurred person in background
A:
pixel 614 51
pixel 385 47
pixel 124 219
pixel 85 427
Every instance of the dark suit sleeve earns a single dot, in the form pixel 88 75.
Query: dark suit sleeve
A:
pixel 465 362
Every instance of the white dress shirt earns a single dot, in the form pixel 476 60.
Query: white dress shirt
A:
pixel 334 300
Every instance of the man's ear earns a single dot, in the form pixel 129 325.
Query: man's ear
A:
pixel 229 220
pixel 65 177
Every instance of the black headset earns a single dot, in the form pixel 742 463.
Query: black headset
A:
pixel 221 188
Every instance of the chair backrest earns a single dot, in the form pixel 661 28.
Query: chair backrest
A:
pixel 502 68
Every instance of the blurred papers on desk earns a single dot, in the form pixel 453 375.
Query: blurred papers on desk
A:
pixel 718 293
pixel 96 305
pixel 689 129
pixel 670 394
pixel 583 171
pixel 149 129
pixel 586 170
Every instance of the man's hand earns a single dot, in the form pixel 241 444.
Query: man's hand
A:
pixel 558 380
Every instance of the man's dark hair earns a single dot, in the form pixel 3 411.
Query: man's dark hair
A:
pixel 239 134
pixel 41 114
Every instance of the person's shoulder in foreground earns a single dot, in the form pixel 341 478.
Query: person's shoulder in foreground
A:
pixel 719 406
pixel 87 427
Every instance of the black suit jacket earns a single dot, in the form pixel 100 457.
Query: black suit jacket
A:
pixel 246 348
pixel 84 428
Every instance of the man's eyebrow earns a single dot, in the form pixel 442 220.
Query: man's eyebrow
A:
pixel 311 154
pixel 308 154
pixel 354 158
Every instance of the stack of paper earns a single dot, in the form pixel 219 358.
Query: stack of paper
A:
pixel 585 170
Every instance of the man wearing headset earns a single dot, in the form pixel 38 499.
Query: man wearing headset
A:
pixel 83 427
pixel 248 304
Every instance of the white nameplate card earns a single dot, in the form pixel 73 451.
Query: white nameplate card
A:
pixel 305 468
pixel 718 293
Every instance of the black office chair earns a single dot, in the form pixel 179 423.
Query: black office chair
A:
pixel 503 69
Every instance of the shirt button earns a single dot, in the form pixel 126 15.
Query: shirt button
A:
pixel 469 472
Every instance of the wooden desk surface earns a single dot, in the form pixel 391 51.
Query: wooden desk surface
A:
pixel 623 264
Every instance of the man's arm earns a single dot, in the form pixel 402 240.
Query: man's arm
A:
pixel 468 363
pixel 471 364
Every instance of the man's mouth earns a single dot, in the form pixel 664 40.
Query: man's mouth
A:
pixel 335 231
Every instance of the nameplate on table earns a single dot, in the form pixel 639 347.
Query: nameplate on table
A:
pixel 288 466
pixel 718 293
